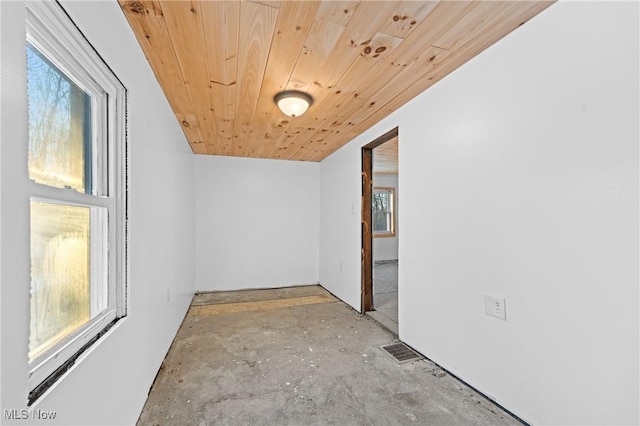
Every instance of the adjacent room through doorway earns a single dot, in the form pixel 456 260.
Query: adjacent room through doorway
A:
pixel 380 230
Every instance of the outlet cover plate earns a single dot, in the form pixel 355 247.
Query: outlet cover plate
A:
pixel 495 307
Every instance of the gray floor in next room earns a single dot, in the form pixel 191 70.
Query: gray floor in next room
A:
pixel 299 356
pixel 385 294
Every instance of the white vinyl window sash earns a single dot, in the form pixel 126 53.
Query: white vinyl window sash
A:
pixel 77 188
pixel 383 214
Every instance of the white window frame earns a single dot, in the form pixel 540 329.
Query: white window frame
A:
pixel 52 32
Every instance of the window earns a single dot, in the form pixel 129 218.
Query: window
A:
pixel 77 172
pixel 384 221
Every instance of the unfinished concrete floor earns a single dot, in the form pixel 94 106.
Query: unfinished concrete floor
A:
pixel 298 356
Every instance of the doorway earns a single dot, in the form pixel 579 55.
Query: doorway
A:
pixel 380 230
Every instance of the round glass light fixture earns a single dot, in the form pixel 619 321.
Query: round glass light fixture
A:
pixel 293 102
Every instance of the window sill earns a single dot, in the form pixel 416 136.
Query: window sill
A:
pixel 385 235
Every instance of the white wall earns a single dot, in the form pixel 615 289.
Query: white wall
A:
pixel 109 386
pixel 257 223
pixel 386 248
pixel 340 238
pixel 520 180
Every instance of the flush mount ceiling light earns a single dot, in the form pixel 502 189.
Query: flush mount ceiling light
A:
pixel 293 102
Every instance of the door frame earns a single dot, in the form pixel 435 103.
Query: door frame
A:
pixel 366 302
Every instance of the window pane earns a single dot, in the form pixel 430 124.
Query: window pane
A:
pixel 380 201
pixel 60 273
pixel 59 127
pixel 380 222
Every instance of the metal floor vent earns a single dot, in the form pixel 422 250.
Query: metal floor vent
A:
pixel 402 353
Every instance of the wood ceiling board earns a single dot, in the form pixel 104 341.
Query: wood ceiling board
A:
pixel 227 106
pixel 371 58
pixel 257 23
pixel 354 40
pixel 292 28
pixel 147 20
pixel 477 20
pixel 407 16
pixel 337 12
pixel 191 128
pixel 360 30
pixel 220 21
pixel 184 22
pixel 269 3
pixel 385 158
pixel 152 35
pixel 315 51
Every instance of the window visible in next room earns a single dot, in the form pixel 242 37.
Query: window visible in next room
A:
pixel 384 221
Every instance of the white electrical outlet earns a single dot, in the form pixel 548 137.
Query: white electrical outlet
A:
pixel 495 307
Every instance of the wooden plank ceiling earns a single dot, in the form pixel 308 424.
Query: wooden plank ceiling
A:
pixel 220 63
pixel 385 158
